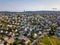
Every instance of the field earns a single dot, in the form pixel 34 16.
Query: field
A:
pixel 49 41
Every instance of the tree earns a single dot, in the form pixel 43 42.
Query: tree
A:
pixel 52 31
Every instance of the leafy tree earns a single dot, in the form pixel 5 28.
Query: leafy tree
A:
pixel 52 31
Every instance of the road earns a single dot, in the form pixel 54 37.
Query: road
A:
pixel 38 39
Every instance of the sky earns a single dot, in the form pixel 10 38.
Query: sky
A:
pixel 29 5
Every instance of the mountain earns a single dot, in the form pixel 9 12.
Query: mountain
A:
pixel 31 12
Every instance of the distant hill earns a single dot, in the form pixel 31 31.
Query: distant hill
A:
pixel 31 12
pixel 7 12
pixel 42 12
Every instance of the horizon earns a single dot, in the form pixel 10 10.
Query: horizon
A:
pixel 29 10
pixel 33 11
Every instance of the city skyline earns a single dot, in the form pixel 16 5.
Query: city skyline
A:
pixel 29 5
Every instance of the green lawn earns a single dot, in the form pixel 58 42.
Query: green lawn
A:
pixel 51 41
pixel 46 41
pixel 55 41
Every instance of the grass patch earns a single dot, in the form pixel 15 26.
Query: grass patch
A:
pixel 55 41
pixel 46 41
